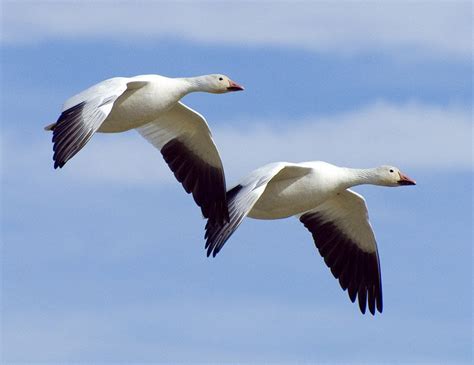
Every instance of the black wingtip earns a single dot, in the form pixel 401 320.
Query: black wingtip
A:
pixel 59 164
pixel 358 271
pixel 205 182
pixel 69 135
pixel 372 311
pixel 362 305
pixel 380 301
pixel 217 233
pixel 217 249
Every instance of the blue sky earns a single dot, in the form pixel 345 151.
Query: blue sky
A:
pixel 104 261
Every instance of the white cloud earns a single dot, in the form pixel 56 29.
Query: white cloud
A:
pixel 346 27
pixel 123 157
pixel 411 136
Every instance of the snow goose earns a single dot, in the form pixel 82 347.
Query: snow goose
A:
pixel 318 194
pixel 150 104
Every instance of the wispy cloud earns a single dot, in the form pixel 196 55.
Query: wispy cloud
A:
pixel 347 27
pixel 411 136
pixel 408 135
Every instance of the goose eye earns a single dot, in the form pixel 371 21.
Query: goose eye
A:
pixel 220 79
pixel 391 170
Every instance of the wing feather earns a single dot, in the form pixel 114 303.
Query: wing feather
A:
pixel 342 233
pixel 185 141
pixel 82 116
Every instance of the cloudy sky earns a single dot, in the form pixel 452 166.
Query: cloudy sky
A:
pixel 104 261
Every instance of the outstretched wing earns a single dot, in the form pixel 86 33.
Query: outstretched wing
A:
pixel 82 116
pixel 342 233
pixel 243 197
pixel 185 141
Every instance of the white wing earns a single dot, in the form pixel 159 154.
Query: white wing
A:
pixel 243 197
pixel 83 114
pixel 185 141
pixel 342 233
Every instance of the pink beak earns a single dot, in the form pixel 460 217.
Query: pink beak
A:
pixel 405 180
pixel 233 86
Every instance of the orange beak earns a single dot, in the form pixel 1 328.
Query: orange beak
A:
pixel 233 86
pixel 405 180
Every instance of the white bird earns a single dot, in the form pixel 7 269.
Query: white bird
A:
pixel 318 194
pixel 150 104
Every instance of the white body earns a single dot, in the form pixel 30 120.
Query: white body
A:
pixel 294 191
pixel 135 108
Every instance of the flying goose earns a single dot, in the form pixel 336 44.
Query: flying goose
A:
pixel 318 194
pixel 150 104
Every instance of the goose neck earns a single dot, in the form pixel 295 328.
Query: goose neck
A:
pixel 193 84
pixel 352 177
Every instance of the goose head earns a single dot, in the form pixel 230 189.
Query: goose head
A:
pixel 392 176
pixel 219 84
